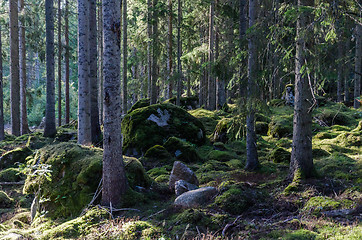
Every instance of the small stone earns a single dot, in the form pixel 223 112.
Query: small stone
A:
pixel 181 186
pixel 196 198
pixel 181 172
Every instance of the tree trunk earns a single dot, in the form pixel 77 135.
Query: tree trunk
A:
pixel 155 53
pixel 301 164
pixel 14 68
pixel 347 71
pixel 114 177
pixel 211 103
pixel 50 128
pixel 179 53
pixel 242 31
pixel 100 62
pixel 93 83
pixel 66 56
pixel 2 133
pixel 358 67
pixel 149 48
pixel 169 63
pixel 252 162
pixel 59 64
pixel 24 128
pixel 84 115
pixel 125 58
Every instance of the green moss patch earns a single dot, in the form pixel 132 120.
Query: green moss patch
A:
pixel 18 155
pixel 11 175
pixel 208 118
pixel 140 104
pixel 316 205
pixel 281 126
pixel 222 156
pixel 280 155
pixel 182 150
pixel 5 200
pixel 261 128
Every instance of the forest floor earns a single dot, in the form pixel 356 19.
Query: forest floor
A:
pixel 249 205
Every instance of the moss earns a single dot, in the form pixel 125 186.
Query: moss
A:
pixel 261 128
pixel 279 155
pixel 140 134
pixel 208 118
pixel 316 205
pixel 11 175
pixel 235 164
pixel 325 135
pixel 132 198
pixel 79 226
pixel 221 156
pixel 18 155
pixel 339 128
pixel 318 153
pixel 162 178
pixel 182 150
pixel 281 126
pixel 136 174
pixel 140 104
pixel 155 172
pixel 358 128
pixel 301 234
pixel 139 230
pixel 230 129
pixel 5 200
pixel 259 117
pixel 213 165
pixel 185 102
pixel 332 117
pixel 349 139
pixel 194 217
pixel 276 102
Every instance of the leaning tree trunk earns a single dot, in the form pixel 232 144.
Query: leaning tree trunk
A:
pixel 252 162
pixel 301 164
pixel 59 64
pixel 125 58
pixel 211 100
pixel 66 56
pixel 50 128
pixel 14 68
pixel 179 53
pixel 358 67
pixel 114 177
pixel 24 127
pixel 84 115
pixel 93 83
pixel 2 133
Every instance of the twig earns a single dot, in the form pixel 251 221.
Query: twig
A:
pixel 230 225
pixel 152 215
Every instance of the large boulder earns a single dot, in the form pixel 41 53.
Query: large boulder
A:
pixel 18 155
pixel 74 176
pixel 196 198
pixel 181 172
pixel 181 186
pixel 145 127
pixel 182 150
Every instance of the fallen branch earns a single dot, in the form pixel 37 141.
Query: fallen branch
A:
pixel 12 183
pixel 230 225
pixel 343 212
pixel 152 215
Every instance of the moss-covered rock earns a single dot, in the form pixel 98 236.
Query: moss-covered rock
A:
pixel 145 102
pixel 11 175
pixel 332 117
pixel 222 156
pixel 208 118
pixel 281 127
pixel 5 200
pixel 187 103
pixel 193 216
pixel 148 126
pixel 182 150
pixel 229 129
pixel 279 155
pixel 349 139
pixel 18 155
pixel 139 230
pixel 261 128
pixel 318 204
pixel 157 156
pixel 75 174
pixel 325 135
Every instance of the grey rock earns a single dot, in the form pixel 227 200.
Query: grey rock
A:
pixel 181 172
pixel 196 198
pixel 181 186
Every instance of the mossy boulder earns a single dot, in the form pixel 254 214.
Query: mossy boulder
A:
pixel 318 204
pixel 139 230
pixel 156 156
pixel 182 150
pixel 222 156
pixel 148 126
pixel 229 129
pixel 261 128
pixel 145 102
pixel 332 117
pixel 5 200
pixel 18 155
pixel 281 127
pixel 75 174
pixel 208 118
pixel 185 102
pixel 194 216
pixel 349 139
pixel 279 155
pixel 11 175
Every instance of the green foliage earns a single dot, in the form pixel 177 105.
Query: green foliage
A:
pixel 11 175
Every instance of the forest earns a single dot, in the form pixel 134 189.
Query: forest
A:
pixel 180 119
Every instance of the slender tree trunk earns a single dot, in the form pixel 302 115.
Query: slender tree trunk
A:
pixel 100 62
pixel 50 128
pixel 170 45
pixel 66 56
pixel 358 67
pixel 114 176
pixel 202 76
pixel 84 114
pixel 340 71
pixel 125 58
pixel 93 83
pixel 59 64
pixel 179 53
pixel 2 133
pixel 301 164
pixel 24 128
pixel 149 48
pixel 242 31
pixel 211 103
pixel 14 68
pixel 347 71
pixel 155 53
pixel 252 162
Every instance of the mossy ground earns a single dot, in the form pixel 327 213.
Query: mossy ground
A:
pixel 256 202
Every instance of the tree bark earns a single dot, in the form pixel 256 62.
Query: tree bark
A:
pixel 84 114
pixel 211 103
pixel 100 62
pixel 358 67
pixel 114 177
pixel 252 161
pixel 50 128
pixel 149 48
pixel 93 83
pixel 59 64
pixel 242 31
pixel 155 52
pixel 66 56
pixel 14 68
pixel 2 133
pixel 301 164
pixel 125 58
pixel 170 45
pixel 24 128
pixel 179 53
pixel 347 71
